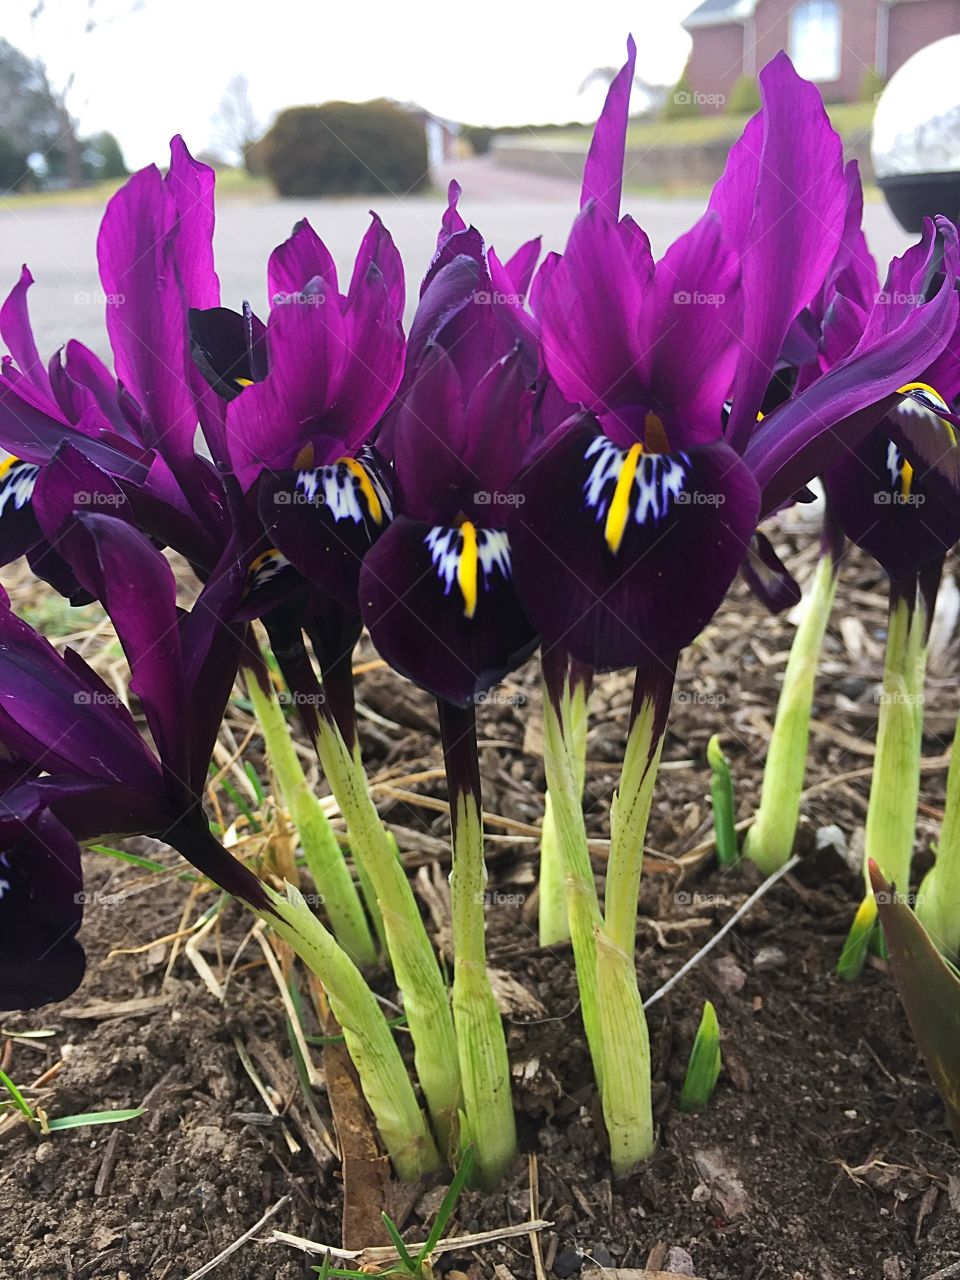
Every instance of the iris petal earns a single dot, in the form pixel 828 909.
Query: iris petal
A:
pixel 441 608
pixel 621 554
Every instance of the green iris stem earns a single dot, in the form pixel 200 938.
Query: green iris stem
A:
pixel 415 964
pixel 769 842
pixel 324 857
pixel 487 1120
pixel 625 1042
pixel 895 784
pixel 369 1040
pixel 625 1094
pixel 554 926
pixel 582 903
pixel 938 900
pixel 629 814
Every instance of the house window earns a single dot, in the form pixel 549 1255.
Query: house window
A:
pixel 815 39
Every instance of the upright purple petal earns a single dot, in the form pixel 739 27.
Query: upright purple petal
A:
pixel 17 332
pixel 274 420
pixel 301 258
pixel 191 184
pixel 146 310
pixel 799 198
pixel 590 314
pixel 689 329
pixel 603 172
pixel 521 266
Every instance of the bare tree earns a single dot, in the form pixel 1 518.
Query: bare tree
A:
pixel 235 122
pixel 80 18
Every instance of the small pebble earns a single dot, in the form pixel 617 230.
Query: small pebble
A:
pixel 679 1262
pixel 768 958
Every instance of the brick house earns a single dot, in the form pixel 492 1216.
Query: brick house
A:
pixel 832 42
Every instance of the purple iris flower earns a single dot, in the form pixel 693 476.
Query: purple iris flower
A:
pixel 633 516
pixel 892 492
pixel 437 590
pixel 136 426
pixel 75 766
pixel 295 404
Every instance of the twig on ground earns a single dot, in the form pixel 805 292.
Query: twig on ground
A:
pixel 722 931
pixel 391 1255
pixel 239 1242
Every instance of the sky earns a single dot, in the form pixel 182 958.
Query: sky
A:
pixel 161 70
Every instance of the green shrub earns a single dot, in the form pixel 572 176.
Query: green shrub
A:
pixel 478 138
pixel 14 171
pixel 744 97
pixel 345 148
pixel 681 101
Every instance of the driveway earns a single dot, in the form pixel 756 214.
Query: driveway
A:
pixel 59 241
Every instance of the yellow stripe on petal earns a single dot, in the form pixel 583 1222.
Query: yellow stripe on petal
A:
pixel 6 464
pixel 467 567
pixel 243 382
pixel 906 479
pixel 921 386
pixel 366 488
pixel 619 511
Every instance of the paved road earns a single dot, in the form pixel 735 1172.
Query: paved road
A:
pixel 59 242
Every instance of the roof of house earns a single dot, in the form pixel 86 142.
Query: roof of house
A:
pixel 715 13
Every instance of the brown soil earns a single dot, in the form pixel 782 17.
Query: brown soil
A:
pixel 823 1154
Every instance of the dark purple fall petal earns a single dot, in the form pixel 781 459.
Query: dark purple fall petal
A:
pixel 622 556
pixel 885 507
pixel 768 577
pixel 41 908
pixel 441 609
pixel 324 520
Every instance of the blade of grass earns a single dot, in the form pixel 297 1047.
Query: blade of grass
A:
pixel 19 1101
pixel 446 1207
pixel 398 1244
pixel 145 864
pixel 94 1117
pixel 255 782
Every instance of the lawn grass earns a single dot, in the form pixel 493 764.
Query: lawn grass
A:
pixel 230 183
pixel 850 119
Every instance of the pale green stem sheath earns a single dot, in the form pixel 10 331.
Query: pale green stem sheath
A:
pixel 583 907
pixel 625 1088
pixel 373 1050
pixel 329 718
pixel 488 1120
pixel 554 926
pixel 769 842
pixel 415 964
pixel 938 901
pixel 629 814
pixel 627 1110
pixel 895 784
pixel 321 849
